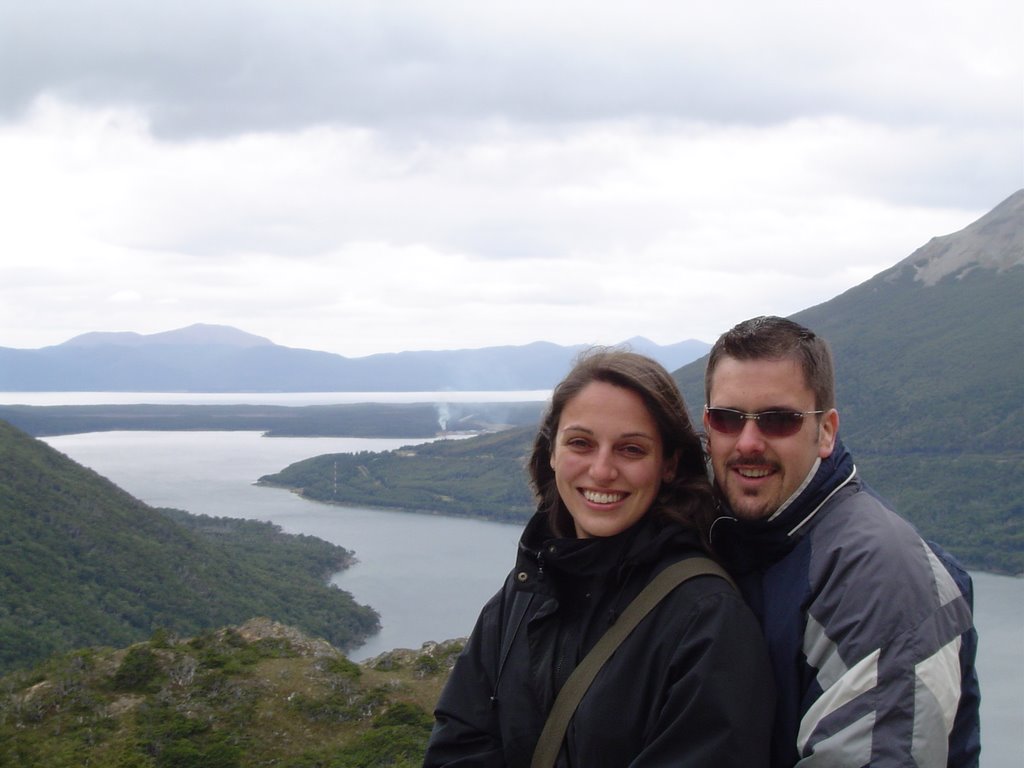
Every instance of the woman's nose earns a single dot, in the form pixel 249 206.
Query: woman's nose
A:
pixel 603 468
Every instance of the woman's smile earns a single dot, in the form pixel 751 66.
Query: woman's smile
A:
pixel 602 497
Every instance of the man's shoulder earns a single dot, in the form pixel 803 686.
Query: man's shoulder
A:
pixel 860 524
pixel 867 561
pixel 863 523
pixel 861 542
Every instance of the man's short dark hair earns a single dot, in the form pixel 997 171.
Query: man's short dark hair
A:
pixel 776 338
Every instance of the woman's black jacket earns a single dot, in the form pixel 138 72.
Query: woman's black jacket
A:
pixel 690 686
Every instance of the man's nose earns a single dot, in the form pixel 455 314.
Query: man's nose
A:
pixel 750 438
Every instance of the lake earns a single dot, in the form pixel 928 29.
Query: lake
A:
pixel 429 575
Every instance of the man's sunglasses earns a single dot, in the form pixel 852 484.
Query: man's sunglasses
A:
pixel 729 421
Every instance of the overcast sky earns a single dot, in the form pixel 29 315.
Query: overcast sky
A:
pixel 361 177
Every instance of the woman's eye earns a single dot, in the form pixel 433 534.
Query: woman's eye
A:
pixel 634 450
pixel 578 443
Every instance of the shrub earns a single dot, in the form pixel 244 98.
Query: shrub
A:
pixel 403 713
pixel 139 671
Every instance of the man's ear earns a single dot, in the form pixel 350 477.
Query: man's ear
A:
pixel 827 432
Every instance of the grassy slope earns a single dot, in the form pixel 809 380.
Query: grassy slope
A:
pixel 261 694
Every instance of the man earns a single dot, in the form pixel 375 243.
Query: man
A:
pixel 869 628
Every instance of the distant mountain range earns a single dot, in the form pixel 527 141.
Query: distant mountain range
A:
pixel 217 358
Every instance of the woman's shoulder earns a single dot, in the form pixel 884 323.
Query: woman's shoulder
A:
pixel 704 608
pixel 700 586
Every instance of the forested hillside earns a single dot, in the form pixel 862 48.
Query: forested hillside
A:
pixel 476 477
pixel 930 385
pixel 83 563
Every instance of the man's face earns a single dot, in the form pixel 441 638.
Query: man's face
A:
pixel 758 473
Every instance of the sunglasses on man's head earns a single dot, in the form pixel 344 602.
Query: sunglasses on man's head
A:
pixel 729 421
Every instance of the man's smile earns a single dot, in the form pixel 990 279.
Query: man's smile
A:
pixel 753 472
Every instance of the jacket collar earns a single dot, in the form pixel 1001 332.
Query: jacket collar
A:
pixel 645 542
pixel 746 544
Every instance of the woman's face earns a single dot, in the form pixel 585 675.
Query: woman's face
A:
pixel 608 459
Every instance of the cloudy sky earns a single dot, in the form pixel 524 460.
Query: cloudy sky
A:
pixel 363 177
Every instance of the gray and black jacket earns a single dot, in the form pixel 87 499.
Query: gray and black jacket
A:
pixel 869 627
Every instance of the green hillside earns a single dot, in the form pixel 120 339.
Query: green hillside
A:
pixel 481 477
pixel 257 695
pixel 936 369
pixel 930 386
pixel 83 563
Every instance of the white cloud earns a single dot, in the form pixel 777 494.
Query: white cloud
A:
pixel 216 68
pixel 360 177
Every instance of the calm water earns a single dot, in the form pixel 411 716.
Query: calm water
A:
pixel 427 575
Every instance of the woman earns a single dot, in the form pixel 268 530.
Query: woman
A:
pixel 623 493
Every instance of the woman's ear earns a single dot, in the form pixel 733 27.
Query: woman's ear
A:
pixel 668 467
